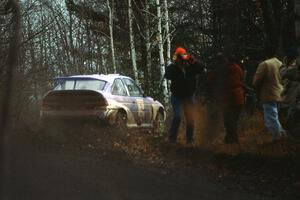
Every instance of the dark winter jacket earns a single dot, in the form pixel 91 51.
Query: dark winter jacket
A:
pixel 183 82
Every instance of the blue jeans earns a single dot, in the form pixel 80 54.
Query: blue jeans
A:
pixel 179 104
pixel 271 119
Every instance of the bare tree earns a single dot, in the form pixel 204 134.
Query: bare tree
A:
pixel 161 49
pixel 111 21
pixel 12 62
pixel 297 22
pixel 132 44
pixel 167 29
pixel 148 41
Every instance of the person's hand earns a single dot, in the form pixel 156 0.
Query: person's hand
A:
pixel 192 58
pixel 174 57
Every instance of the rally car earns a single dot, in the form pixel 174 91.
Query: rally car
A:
pixel 111 98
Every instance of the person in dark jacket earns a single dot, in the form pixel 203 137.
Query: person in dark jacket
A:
pixel 183 75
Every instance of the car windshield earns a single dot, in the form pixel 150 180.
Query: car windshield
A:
pixel 79 84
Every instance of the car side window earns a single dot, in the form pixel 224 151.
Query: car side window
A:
pixel 118 88
pixel 132 87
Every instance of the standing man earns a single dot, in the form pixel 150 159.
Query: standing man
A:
pixel 226 91
pixel 289 77
pixel 267 82
pixel 182 73
pixel 232 95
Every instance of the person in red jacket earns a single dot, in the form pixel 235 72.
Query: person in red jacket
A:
pixel 231 94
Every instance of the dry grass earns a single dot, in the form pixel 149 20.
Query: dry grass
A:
pixel 253 137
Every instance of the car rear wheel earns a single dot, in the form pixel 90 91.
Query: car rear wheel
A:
pixel 159 124
pixel 121 120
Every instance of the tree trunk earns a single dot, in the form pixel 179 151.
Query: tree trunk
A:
pixel 148 44
pixel 132 45
pixel 167 29
pixel 161 50
pixel 111 35
pixel 297 23
pixel 103 62
pixel 71 41
pixel 33 63
pixel 272 17
pixel 6 93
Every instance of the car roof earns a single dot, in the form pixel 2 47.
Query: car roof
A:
pixel 105 77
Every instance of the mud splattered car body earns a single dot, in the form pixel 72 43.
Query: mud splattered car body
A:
pixel 111 98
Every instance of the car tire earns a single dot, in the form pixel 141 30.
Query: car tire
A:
pixel 158 125
pixel 121 120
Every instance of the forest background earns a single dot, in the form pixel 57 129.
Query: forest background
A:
pixel 44 39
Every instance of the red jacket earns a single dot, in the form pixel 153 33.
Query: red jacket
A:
pixel 225 85
pixel 234 94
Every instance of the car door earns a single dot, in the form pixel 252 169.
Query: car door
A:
pixel 140 109
pixel 119 93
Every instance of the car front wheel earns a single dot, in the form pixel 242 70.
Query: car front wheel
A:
pixel 121 120
pixel 159 124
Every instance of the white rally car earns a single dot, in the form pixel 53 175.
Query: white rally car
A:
pixel 113 98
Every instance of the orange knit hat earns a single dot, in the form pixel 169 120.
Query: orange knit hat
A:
pixel 180 51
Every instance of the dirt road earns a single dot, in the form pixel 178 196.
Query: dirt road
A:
pixel 104 165
pixel 67 174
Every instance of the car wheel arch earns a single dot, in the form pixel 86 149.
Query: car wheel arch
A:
pixel 156 110
pixel 158 125
pixel 122 112
pixel 162 111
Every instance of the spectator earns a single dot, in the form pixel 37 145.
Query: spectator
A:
pixel 293 117
pixel 182 73
pixel 290 61
pixel 231 94
pixel 291 92
pixel 267 82
pixel 289 76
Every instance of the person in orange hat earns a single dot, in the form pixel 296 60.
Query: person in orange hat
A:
pixel 180 53
pixel 183 76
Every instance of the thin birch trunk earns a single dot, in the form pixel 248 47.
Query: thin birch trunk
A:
pixel 71 42
pixel 111 35
pixel 167 29
pixel 103 62
pixel 161 50
pixel 33 63
pixel 148 42
pixel 132 45
pixel 79 42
